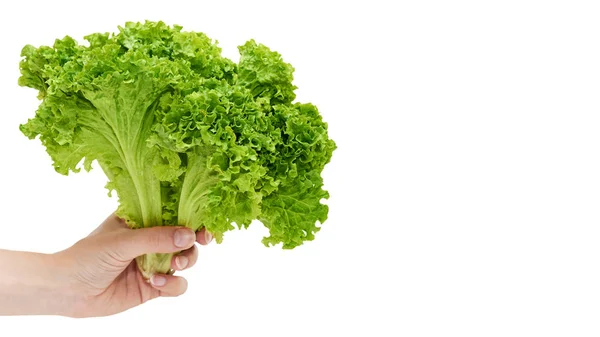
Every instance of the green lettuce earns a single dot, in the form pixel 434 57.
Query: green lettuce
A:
pixel 184 135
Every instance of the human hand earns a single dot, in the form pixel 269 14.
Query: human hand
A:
pixel 100 275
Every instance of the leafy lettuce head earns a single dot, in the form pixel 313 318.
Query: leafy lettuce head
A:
pixel 184 135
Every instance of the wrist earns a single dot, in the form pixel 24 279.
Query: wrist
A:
pixel 33 284
pixel 54 286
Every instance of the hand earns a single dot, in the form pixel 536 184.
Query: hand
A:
pixel 102 277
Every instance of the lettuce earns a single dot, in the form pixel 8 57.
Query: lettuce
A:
pixel 184 135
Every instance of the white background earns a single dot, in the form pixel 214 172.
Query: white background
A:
pixel 465 190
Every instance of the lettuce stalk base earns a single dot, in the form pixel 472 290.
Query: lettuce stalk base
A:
pixel 154 263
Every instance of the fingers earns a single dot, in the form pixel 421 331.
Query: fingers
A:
pixel 203 237
pixel 188 258
pixel 164 239
pixel 169 285
pixel 185 259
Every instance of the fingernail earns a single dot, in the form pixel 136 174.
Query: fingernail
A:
pixel 184 238
pixel 207 237
pixel 181 262
pixel 158 280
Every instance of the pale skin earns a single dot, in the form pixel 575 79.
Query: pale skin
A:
pixel 97 276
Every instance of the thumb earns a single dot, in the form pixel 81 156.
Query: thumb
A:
pixel 161 239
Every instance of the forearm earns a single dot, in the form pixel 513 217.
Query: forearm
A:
pixel 29 285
